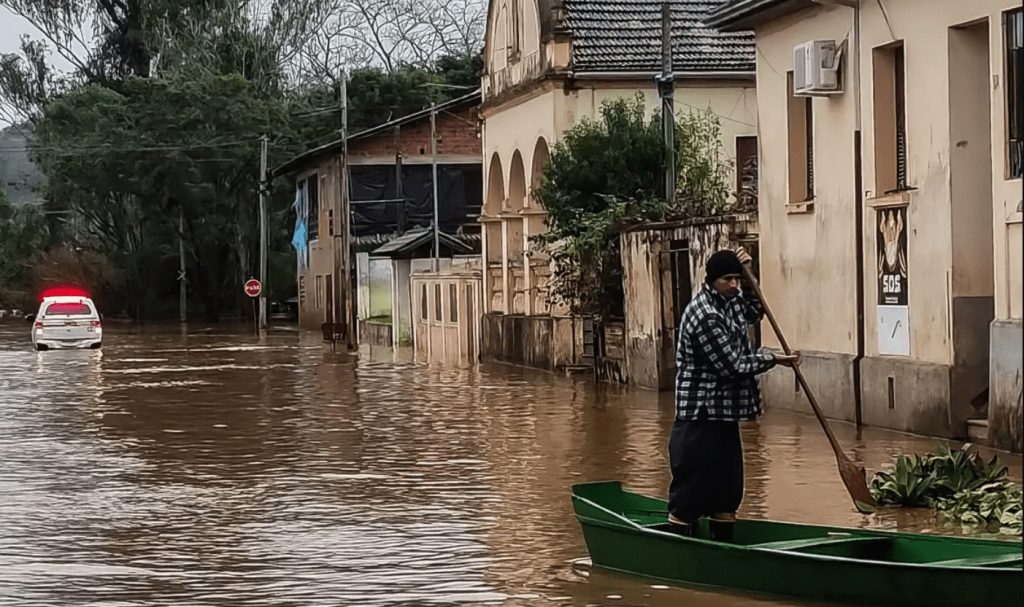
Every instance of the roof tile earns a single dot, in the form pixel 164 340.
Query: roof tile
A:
pixel 625 35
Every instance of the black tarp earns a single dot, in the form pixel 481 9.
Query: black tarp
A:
pixel 459 194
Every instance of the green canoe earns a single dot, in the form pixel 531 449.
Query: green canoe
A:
pixel 629 533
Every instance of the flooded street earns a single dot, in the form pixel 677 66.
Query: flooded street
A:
pixel 212 469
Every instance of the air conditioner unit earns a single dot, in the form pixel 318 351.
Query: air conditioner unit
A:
pixel 816 68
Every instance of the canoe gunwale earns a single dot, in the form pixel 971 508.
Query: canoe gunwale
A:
pixel 852 534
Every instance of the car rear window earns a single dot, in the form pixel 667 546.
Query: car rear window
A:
pixel 69 309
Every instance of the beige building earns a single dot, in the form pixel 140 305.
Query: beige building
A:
pixel 893 261
pixel 549 64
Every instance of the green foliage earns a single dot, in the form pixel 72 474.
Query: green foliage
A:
pixel 607 174
pixel 128 161
pixel 23 235
pixel 960 484
pixel 990 504
pixel 376 96
pixel 909 484
pixel 160 123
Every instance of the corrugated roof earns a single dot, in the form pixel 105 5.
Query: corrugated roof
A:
pixel 625 35
pixel 413 239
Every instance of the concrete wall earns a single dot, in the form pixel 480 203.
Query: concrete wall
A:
pixel 401 316
pixel 1004 410
pixel 651 316
pixel 960 202
pixel 541 342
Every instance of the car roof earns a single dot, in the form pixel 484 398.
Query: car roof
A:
pixel 67 299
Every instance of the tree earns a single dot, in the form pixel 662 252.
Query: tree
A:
pixel 161 119
pixel 609 173
pixel 132 161
pixel 23 235
pixel 390 34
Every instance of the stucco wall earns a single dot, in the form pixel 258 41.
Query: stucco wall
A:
pixel 960 203
pixel 800 251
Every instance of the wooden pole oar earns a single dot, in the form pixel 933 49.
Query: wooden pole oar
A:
pixel 854 476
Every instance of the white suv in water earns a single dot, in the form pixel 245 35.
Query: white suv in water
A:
pixel 67 322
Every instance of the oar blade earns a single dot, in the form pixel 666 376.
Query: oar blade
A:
pixel 855 479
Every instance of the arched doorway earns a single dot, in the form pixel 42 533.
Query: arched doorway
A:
pixel 533 224
pixel 540 157
pixel 495 188
pixel 516 277
pixel 493 233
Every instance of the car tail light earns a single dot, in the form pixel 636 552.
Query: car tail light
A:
pixel 39 325
pixel 95 323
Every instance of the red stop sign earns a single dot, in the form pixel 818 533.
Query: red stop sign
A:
pixel 253 287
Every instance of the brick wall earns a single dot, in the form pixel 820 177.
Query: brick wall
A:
pixel 456 134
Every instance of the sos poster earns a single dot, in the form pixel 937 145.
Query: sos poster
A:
pixel 892 256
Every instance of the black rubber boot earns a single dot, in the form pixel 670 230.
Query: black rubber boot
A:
pixel 721 531
pixel 680 527
pixel 684 530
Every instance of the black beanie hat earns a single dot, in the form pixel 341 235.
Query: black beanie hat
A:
pixel 721 264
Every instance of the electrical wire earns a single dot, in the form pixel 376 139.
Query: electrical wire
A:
pixel 886 16
pixel 74 150
pixel 766 62
pixel 694 107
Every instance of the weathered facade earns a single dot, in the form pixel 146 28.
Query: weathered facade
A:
pixel 662 269
pixel 325 294
pixel 890 209
pixel 386 175
pixel 547 65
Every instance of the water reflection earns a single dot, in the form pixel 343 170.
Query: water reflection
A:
pixel 212 468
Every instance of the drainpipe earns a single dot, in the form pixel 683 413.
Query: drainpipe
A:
pixel 858 181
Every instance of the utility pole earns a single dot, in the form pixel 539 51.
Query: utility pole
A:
pixel 181 257
pixel 433 162
pixel 263 236
pixel 666 90
pixel 344 305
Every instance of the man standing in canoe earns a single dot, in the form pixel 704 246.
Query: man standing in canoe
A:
pixel 716 388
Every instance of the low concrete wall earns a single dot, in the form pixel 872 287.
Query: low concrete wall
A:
pixel 921 400
pixel 541 342
pixel 1005 388
pixel 374 334
pixel 830 377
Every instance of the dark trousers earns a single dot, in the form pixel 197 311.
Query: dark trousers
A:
pixel 707 468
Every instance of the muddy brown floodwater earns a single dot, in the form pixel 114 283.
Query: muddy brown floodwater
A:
pixel 212 469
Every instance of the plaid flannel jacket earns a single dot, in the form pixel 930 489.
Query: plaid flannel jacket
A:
pixel 715 362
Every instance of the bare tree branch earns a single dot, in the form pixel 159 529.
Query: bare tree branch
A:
pixel 387 33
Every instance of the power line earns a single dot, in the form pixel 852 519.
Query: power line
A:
pixel 695 107
pixel 107 147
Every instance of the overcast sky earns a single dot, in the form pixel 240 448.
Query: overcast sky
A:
pixel 12 27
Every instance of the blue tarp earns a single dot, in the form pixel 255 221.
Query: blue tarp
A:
pixel 300 240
